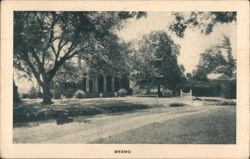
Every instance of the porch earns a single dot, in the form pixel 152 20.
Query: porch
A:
pixel 91 84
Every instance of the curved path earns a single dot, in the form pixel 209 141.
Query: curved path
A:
pixel 90 129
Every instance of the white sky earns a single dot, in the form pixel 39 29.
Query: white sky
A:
pixel 193 42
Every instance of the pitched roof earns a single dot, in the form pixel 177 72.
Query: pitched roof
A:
pixel 217 76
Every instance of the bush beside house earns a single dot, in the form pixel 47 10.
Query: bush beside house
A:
pixel 33 93
pixel 79 94
pixel 122 92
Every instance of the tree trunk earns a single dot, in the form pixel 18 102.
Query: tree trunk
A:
pixel 159 90
pixel 148 90
pixel 46 93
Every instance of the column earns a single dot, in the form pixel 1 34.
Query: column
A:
pixel 95 84
pixel 87 83
pixel 104 83
pixel 112 84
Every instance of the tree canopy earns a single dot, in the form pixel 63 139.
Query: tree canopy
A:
pixel 156 62
pixel 204 21
pixel 217 58
pixel 43 41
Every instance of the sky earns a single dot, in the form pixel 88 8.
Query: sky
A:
pixel 193 42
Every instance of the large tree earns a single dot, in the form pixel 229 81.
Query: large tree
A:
pixel 209 60
pixel 231 61
pixel 111 55
pixel 156 62
pixel 44 41
pixel 217 58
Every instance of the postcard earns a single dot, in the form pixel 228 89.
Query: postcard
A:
pixel 125 79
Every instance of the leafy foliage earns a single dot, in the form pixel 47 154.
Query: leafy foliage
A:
pixel 156 61
pixel 122 92
pixel 213 59
pixel 112 56
pixel 79 94
pixel 44 41
pixel 204 21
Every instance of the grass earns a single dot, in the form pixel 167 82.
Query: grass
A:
pixel 32 110
pixel 216 127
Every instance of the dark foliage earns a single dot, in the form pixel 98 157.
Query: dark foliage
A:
pixel 44 41
pixel 210 88
pixel 36 113
pixel 204 21
pixel 155 64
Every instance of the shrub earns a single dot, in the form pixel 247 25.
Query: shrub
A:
pixel 79 94
pixel 122 92
pixel 33 93
pixel 24 95
pixel 138 91
pixel 167 93
pixel 63 97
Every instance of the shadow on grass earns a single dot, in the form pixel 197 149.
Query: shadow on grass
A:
pixel 178 104
pixel 40 112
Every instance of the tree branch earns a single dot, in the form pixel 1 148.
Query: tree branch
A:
pixel 60 46
pixel 70 56
pixel 58 64
pixel 35 73
pixel 71 48
pixel 37 59
pixel 53 50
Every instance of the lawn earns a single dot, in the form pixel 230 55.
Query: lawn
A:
pixel 32 110
pixel 217 126
pixel 128 120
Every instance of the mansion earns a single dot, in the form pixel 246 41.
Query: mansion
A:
pixel 92 82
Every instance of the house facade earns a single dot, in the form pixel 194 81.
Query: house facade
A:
pixel 92 82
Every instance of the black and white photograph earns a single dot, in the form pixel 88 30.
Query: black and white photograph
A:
pixel 125 79
pixel 118 77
